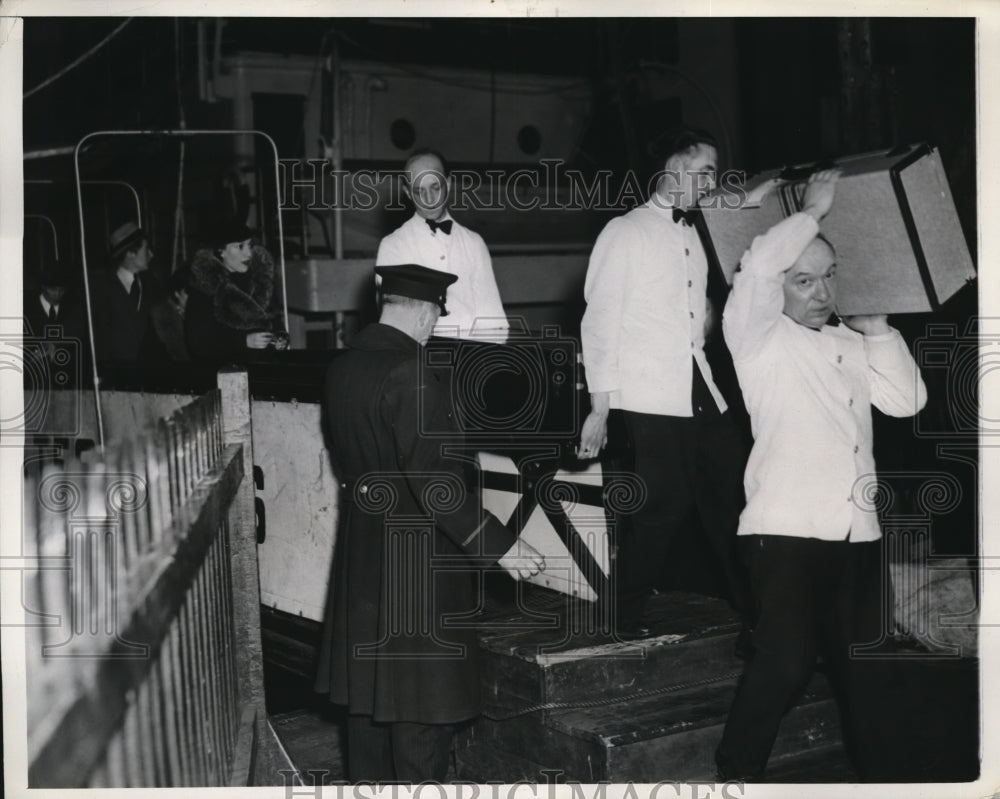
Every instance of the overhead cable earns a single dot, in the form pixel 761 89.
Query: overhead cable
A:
pixel 80 60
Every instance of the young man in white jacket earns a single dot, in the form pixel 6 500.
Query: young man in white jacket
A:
pixel 651 387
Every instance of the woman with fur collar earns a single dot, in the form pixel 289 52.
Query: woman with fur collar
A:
pixel 235 302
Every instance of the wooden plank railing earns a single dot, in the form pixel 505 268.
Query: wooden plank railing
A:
pixel 133 644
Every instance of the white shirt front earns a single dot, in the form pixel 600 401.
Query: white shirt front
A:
pixel 645 318
pixel 474 306
pixel 126 277
pixel 811 473
pixel 47 306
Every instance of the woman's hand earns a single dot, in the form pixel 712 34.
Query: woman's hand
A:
pixel 259 341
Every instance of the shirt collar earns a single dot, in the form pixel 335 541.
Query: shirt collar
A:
pixel 421 221
pixel 126 278
pixel 378 336
pixel 46 304
pixel 664 205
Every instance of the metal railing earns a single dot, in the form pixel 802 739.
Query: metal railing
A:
pixel 183 135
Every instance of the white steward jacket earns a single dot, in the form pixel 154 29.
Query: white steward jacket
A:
pixel 809 393
pixel 645 318
pixel 473 300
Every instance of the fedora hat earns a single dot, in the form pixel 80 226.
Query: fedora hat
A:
pixel 125 238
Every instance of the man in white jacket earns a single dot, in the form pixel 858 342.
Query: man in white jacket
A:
pixel 434 239
pixel 643 337
pixel 813 539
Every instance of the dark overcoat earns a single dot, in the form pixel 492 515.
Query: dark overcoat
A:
pixel 72 324
pixel 72 317
pixel 224 307
pixel 412 545
pixel 123 332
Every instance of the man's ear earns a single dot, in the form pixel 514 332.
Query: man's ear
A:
pixel 431 314
pixel 404 187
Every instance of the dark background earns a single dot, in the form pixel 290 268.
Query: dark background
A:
pixel 790 78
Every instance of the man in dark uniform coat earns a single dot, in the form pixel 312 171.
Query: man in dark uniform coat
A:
pixel 397 647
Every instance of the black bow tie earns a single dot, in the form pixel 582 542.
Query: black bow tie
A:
pixel 685 217
pixel 444 226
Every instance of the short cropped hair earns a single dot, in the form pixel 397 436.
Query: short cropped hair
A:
pixel 421 151
pixel 679 140
pixel 404 302
pixel 828 243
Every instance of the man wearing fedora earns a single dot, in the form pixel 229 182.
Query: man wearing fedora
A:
pixel 122 299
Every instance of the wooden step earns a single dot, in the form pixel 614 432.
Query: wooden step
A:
pixel 542 658
pixel 820 764
pixel 671 736
pixel 313 739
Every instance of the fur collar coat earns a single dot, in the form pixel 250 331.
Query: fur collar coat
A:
pixel 255 308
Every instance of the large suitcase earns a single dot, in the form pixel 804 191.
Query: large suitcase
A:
pixel 900 248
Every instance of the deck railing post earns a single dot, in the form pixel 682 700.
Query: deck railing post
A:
pixel 236 429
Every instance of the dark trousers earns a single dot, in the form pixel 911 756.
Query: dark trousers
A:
pixel 692 469
pixel 398 751
pixel 815 596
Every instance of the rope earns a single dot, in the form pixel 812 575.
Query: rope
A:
pixel 80 60
pixel 612 700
